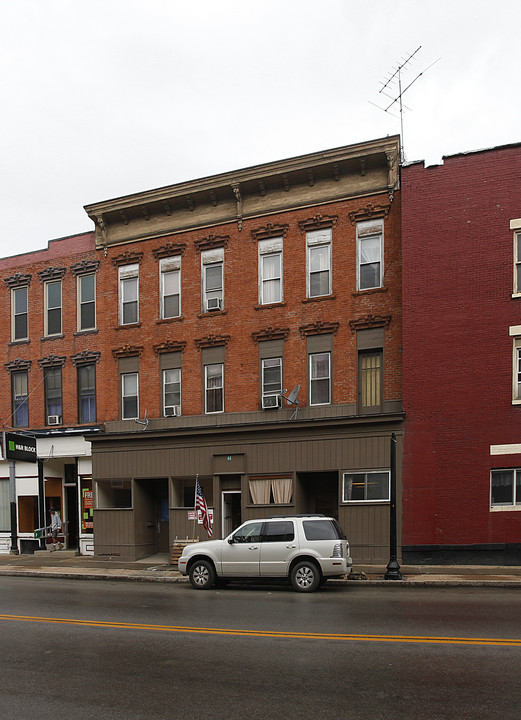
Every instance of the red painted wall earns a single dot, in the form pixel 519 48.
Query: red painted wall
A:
pixel 457 353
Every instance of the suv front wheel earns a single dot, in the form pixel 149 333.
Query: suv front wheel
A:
pixel 305 576
pixel 202 575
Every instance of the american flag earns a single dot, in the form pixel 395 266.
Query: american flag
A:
pixel 202 508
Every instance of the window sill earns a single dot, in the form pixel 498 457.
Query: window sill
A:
pixel 92 331
pixel 516 296
pixel 52 337
pixel 166 321
pixel 212 313
pixel 25 341
pixel 128 327
pixel 269 306
pixel 269 505
pixel 505 508
pixel 319 298
pixel 370 291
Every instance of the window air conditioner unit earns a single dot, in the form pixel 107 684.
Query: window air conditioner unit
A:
pixel 54 420
pixel 213 304
pixel 271 402
pixel 172 410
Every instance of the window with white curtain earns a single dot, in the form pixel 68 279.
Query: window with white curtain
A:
pixel 271 491
pixel 319 262
pixel 369 236
pixel 270 271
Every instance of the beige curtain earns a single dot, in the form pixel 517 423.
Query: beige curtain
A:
pixel 260 492
pixel 282 490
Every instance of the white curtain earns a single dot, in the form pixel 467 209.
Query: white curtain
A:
pixel 282 490
pixel 260 492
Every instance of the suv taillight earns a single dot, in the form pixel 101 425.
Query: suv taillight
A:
pixel 337 550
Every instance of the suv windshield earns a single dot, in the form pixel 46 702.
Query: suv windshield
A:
pixel 322 530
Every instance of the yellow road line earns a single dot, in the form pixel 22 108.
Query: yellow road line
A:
pixel 515 642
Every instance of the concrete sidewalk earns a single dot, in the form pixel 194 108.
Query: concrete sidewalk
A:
pixel 66 564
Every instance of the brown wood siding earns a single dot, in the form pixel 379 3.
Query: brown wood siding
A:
pixel 114 533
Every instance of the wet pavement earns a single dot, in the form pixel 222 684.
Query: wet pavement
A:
pixel 157 568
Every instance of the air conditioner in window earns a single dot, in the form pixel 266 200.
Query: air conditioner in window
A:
pixel 172 410
pixel 54 420
pixel 213 304
pixel 271 402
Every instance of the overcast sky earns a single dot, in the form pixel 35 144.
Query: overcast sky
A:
pixel 101 98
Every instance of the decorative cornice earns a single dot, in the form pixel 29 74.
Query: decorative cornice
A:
pixel 18 364
pixel 85 357
pixel 170 346
pixel 317 222
pixel 169 250
pixel 18 280
pixel 370 321
pixel 84 267
pixel 370 212
pixel 211 340
pixel 269 231
pixel 211 242
pixel 127 258
pixel 52 361
pixel 52 273
pixel 127 351
pixel 270 333
pixel 319 328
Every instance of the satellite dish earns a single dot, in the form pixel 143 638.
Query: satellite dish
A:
pixel 292 399
pixel 142 422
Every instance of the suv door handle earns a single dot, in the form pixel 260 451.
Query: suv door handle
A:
pixel 253 547
pixel 291 546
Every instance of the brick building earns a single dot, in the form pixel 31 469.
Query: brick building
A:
pixel 247 329
pixel 461 240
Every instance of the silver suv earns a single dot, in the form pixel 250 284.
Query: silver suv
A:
pixel 307 549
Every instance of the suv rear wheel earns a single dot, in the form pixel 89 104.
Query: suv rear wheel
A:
pixel 305 576
pixel 202 575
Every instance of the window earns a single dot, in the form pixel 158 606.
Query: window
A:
pixel 86 302
pixel 214 388
pixel 370 371
pixel 53 307
pixel 505 487
pixel 129 396
pixel 319 262
pixel 366 486
pixel 213 287
pixel 170 275
pixel 370 252
pixel 19 317
pixel 249 533
pixel 113 494
pixel 270 271
pixel 53 395
pixel 320 378
pixel 128 294
pixel 279 531
pixel 516 374
pixel 517 262
pixel 172 392
pixel 87 393
pixel 20 395
pixel 271 491
pixel 271 382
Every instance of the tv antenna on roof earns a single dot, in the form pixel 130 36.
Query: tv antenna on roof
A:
pixel 388 89
pixel 292 399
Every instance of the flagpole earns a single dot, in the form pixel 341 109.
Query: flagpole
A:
pixel 195 503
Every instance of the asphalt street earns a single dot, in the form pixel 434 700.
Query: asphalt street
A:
pixel 157 651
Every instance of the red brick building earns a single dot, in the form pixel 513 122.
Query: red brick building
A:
pixel 461 240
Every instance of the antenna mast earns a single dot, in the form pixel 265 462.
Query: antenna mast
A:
pixel 387 87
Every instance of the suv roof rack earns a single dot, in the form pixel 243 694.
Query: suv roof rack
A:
pixel 302 515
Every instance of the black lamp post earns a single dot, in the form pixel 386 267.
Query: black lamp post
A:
pixel 393 568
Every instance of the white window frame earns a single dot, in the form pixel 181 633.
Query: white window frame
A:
pixel 48 308
pixel 516 500
pixel 316 239
pixel 128 275
pixel 211 259
pixel 366 474
pixel 15 314
pixel 313 379
pixel 80 302
pixel 269 249
pixel 169 266
pixel 515 333
pixel 208 390
pixel 515 225
pixel 124 396
pixel 164 378
pixel 369 230
pixel 278 361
